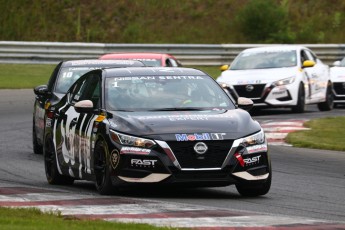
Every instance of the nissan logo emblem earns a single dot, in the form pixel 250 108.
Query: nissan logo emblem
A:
pixel 200 148
pixel 249 88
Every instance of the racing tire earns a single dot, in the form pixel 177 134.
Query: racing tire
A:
pixel 50 165
pixel 300 107
pixel 328 104
pixel 102 169
pixel 253 190
pixel 37 148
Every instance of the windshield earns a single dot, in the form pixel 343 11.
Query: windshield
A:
pixel 150 62
pixel 265 60
pixel 159 93
pixel 68 75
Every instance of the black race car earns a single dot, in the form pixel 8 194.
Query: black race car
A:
pixel 63 76
pixel 158 126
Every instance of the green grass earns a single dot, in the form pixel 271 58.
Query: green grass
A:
pixel 213 71
pixel 30 218
pixel 21 76
pixel 27 76
pixel 325 133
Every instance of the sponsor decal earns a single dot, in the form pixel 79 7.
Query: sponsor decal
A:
pixel 187 117
pixel 252 160
pixel 134 150
pixel 48 122
pixel 200 148
pixel 158 78
pixel 143 163
pixel 193 137
pixel 199 136
pixel 243 82
pixel 257 148
pixel 218 136
pixel 114 158
pixel 247 161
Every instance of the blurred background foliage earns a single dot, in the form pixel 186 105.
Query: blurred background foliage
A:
pixel 174 21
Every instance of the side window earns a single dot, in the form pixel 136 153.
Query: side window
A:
pixel 76 91
pixel 171 62
pixel 53 77
pixel 92 90
pixel 310 55
pixel 304 56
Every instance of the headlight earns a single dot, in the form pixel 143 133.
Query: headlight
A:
pixel 285 81
pixel 128 140
pixel 255 139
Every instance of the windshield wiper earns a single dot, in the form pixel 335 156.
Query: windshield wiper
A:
pixel 179 109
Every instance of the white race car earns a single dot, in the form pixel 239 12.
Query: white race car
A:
pixel 279 76
pixel 338 79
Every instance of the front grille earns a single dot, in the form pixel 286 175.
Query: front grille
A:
pixel 213 158
pixel 257 91
pixel 339 88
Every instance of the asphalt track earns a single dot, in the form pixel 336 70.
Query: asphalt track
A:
pixel 307 184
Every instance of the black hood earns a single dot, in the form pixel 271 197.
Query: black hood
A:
pixel 233 124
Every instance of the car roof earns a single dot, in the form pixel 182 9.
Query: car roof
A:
pixel 102 63
pixel 153 71
pixel 134 56
pixel 274 48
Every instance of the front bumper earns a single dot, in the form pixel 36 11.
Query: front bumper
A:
pixel 339 92
pixel 169 163
pixel 266 95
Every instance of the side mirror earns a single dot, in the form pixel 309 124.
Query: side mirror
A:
pixel 308 63
pixel 336 63
pixel 224 67
pixel 41 90
pixel 245 103
pixel 84 106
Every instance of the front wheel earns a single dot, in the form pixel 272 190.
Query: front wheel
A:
pixel 102 169
pixel 328 104
pixel 252 190
pixel 50 165
pixel 300 107
pixel 38 149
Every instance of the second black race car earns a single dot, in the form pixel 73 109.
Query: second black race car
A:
pixel 63 76
pixel 160 126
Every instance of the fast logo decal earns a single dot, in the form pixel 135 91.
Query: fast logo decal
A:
pixel 199 136
pixel 252 160
pixel 143 163
pixel 247 161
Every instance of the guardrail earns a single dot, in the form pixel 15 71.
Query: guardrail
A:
pixel 188 54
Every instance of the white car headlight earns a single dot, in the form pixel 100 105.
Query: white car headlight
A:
pixel 128 140
pixel 255 139
pixel 285 81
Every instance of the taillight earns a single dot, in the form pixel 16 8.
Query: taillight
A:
pixel 50 114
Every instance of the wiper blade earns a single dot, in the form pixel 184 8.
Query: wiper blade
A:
pixel 123 110
pixel 179 109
